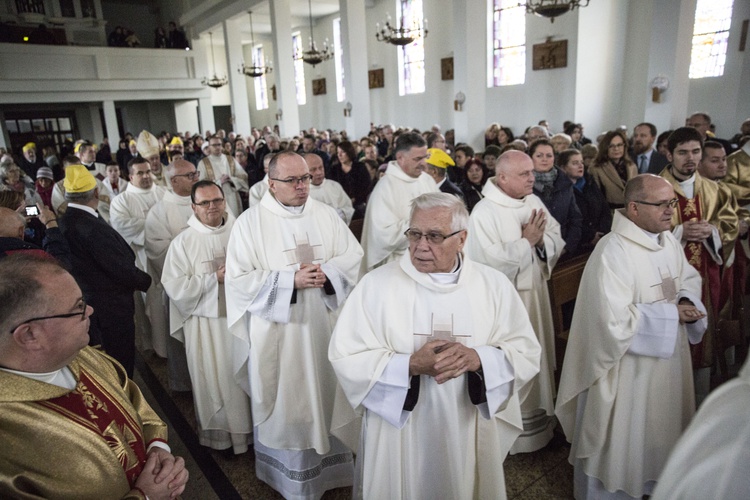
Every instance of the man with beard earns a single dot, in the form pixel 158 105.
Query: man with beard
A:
pixel 30 162
pixel 222 169
pixel 643 153
pixel 707 225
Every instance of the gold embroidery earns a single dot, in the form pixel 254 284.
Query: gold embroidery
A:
pixel 690 209
pixel 90 400
pixel 119 440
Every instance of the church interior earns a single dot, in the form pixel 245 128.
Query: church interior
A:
pixel 604 64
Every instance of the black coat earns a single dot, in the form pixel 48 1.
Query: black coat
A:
pixel 472 194
pixel 561 203
pixel 655 165
pixel 597 217
pixel 104 267
pixel 451 188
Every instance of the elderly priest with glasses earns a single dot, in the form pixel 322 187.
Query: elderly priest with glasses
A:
pixel 291 263
pixel 72 424
pixel 432 350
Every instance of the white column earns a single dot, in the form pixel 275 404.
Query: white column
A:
pixel 4 137
pixel 469 71
pixel 237 81
pixel 354 42
pixel 110 123
pixel 206 115
pixel 283 68
pixel 97 133
pixel 186 116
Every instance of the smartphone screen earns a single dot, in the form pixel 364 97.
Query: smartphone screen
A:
pixel 32 211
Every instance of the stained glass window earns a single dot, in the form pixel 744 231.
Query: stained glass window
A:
pixel 710 34
pixel 411 57
pixel 508 43
pixel 299 68
pixel 261 86
pixel 338 51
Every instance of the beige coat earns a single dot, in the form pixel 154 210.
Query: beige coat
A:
pixel 609 181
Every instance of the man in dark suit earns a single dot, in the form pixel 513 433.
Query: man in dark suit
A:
pixel 437 167
pixel 643 154
pixel 104 267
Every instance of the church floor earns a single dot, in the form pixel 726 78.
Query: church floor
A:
pixel 545 474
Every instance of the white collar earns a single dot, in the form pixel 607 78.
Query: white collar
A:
pixel 61 378
pixel 450 278
pixel 687 182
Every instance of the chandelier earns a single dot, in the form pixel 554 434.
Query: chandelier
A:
pixel 404 35
pixel 553 8
pixel 214 82
pixel 253 70
pixel 314 56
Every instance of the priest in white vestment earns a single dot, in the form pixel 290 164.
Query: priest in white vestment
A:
pixel 328 191
pixel 128 213
pixel 432 351
pixel 291 263
pixel 193 278
pixel 511 230
pixel 626 389
pixel 166 219
pixel 223 170
pixel 259 189
pixel 711 458
pixel 387 214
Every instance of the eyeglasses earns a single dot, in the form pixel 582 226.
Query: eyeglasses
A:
pixel 214 144
pixel 663 205
pixel 81 313
pixel 305 179
pixel 191 175
pixel 217 202
pixel 617 146
pixel 433 238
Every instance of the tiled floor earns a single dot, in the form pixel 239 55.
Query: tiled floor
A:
pixel 218 475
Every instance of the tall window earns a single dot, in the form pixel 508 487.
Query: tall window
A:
pixel 261 87
pixel 710 34
pixel 410 57
pixel 299 68
pixel 508 43
pixel 339 59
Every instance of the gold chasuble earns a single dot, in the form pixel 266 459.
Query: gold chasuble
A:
pixel 88 443
pixel 712 204
pixel 738 175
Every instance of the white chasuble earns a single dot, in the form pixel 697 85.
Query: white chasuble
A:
pixel 495 239
pixel 447 447
pixel 626 389
pixel 283 361
pixel 332 194
pixel 387 215
pixel 257 191
pixel 198 319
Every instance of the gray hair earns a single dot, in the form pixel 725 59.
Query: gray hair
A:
pixel 428 201
pixel 81 198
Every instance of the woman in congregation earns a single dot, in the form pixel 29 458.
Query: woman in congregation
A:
pixel 353 176
pixel 555 190
pixel 476 175
pixel 596 216
pixel 612 168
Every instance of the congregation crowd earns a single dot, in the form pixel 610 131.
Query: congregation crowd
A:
pixel 374 312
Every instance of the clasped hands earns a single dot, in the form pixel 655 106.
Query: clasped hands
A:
pixel 696 230
pixel 164 476
pixel 533 230
pixel 309 276
pixel 444 360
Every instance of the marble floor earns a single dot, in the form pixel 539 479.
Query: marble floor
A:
pixel 545 474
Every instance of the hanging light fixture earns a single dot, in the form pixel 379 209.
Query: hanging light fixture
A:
pixel 314 56
pixel 403 35
pixel 254 71
pixel 214 82
pixel 553 8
